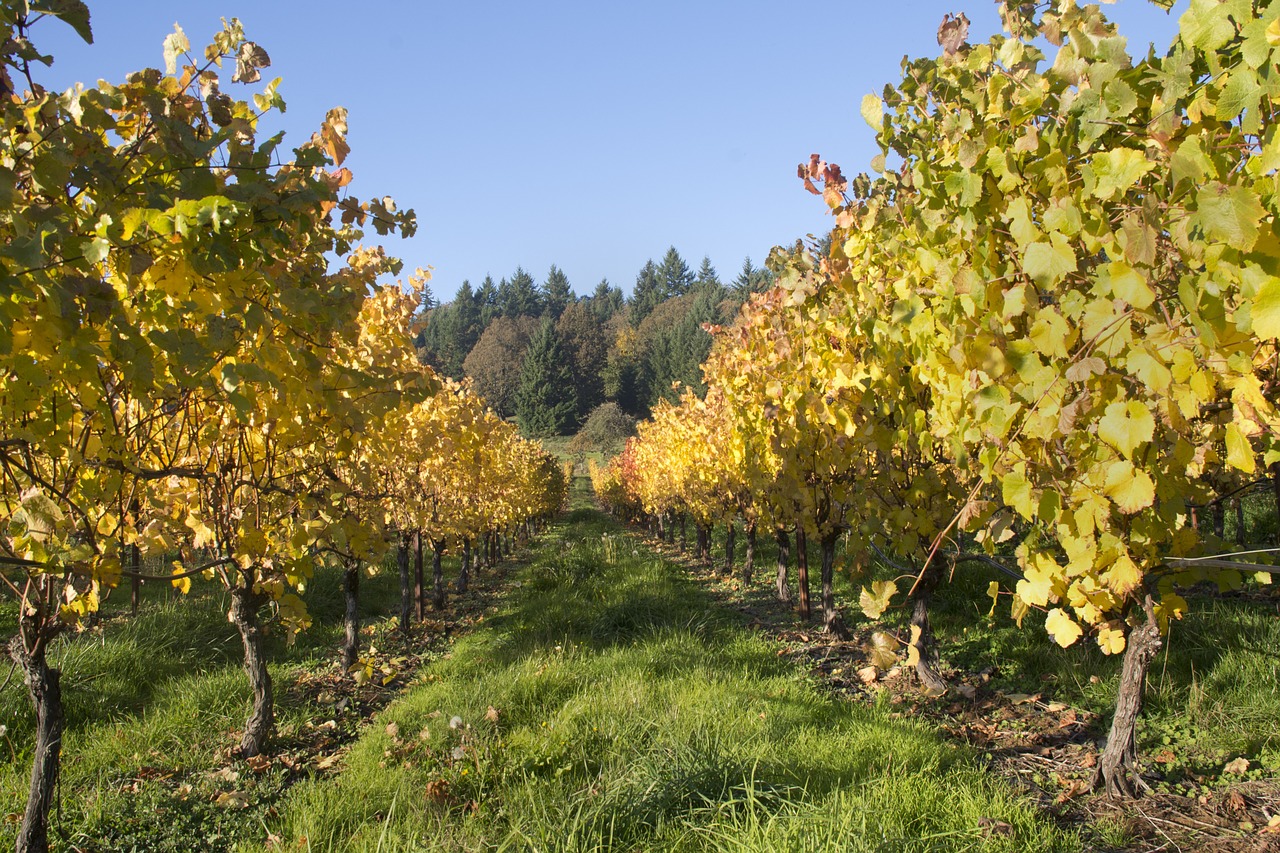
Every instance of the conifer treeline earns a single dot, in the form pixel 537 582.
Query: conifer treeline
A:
pixel 538 352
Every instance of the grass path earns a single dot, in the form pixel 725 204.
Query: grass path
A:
pixel 612 705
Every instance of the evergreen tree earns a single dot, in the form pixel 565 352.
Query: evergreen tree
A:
pixel 707 273
pixel 487 300
pixel 751 280
pixel 428 301
pixel 606 301
pixel 519 297
pixel 587 348
pixel 465 326
pixel 546 403
pixel 646 295
pixel 674 274
pixel 557 292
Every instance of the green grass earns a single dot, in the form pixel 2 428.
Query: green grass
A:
pixel 633 714
pixel 1213 693
pixel 153 704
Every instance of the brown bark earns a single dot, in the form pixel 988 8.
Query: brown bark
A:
pixel 702 543
pixel 135 582
pixel 749 561
pixel 784 555
pixel 730 547
pixel 351 616
pixel 1275 493
pixel 419 592
pixel 406 588
pixel 802 571
pixel 1116 769
pixel 261 722
pixel 464 573
pixel 1219 520
pixel 44 685
pixel 437 575
pixel 684 533
pixel 831 621
pixel 927 647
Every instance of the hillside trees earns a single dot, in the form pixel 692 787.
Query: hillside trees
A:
pixel 546 401
pixel 494 364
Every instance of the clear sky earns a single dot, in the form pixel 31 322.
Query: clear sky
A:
pixel 591 135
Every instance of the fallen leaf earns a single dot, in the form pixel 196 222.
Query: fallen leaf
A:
pixel 259 763
pixel 868 674
pixel 393 731
pixel 491 715
pixel 233 799
pixel 991 826
pixel 1238 767
pixel 1021 698
pixel 1237 805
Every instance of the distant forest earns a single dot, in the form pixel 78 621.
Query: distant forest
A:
pixel 541 354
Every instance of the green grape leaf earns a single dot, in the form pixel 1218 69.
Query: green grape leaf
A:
pixel 1230 214
pixel 873 112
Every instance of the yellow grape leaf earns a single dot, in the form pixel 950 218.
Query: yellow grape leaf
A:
pixel 1061 627
pixel 875 601
pixel 993 590
pixel 1123 576
pixel 1126 425
pixel 884 650
pixel 1265 312
pixel 182 585
pixel 1129 488
pixel 1130 285
pixel 1239 452
pixel 873 112
pixel 1171 606
pixel 1111 637
pixel 1019 609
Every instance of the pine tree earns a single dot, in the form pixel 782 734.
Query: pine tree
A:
pixel 557 292
pixel 675 275
pixel 707 273
pixel 751 280
pixel 646 295
pixel 487 299
pixel 519 297
pixel 606 301
pixel 546 403
pixel 428 300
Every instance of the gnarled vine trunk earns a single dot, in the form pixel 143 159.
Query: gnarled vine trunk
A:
pixel 437 575
pixel 927 667
pixel 1116 769
pixel 44 684
pixel 749 561
pixel 831 621
pixel 351 615
pixel 406 588
pixel 464 573
pixel 802 571
pixel 419 591
pixel 784 556
pixel 244 615
pixel 730 547
pixel 684 532
pixel 702 543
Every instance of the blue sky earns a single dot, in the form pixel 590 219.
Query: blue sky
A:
pixel 591 135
